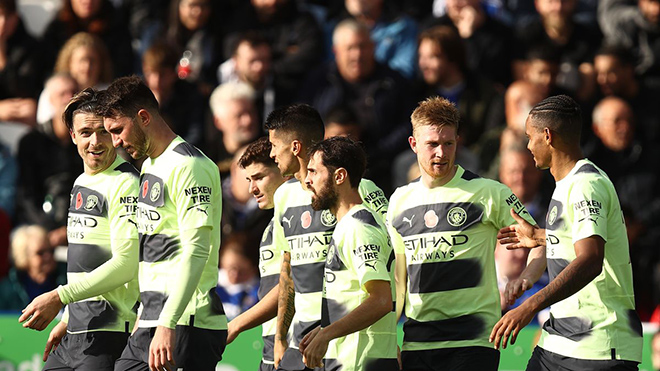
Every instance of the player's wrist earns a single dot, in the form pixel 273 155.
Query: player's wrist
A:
pixel 59 295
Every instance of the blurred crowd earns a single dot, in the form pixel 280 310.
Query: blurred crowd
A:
pixel 218 68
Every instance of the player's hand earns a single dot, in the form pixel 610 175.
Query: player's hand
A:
pixel 161 350
pixel 54 339
pixel 41 311
pixel 515 288
pixel 232 331
pixel 313 347
pixel 520 235
pixel 510 325
pixel 279 348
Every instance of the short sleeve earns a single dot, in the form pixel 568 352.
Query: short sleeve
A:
pixel 503 201
pixel 589 202
pixel 368 252
pixel 196 193
pixel 395 237
pixel 122 206
pixel 279 240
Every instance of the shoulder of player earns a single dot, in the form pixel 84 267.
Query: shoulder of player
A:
pixel 286 188
pixel 404 190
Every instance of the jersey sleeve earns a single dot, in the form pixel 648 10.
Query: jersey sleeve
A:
pixel 373 197
pixel 279 240
pixel 367 252
pixel 589 203
pixel 500 204
pixel 196 193
pixel 123 265
pixel 395 237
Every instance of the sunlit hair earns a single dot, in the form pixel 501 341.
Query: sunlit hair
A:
pixel 301 121
pixel 257 152
pixel 125 97
pixel 561 114
pixel 20 243
pixel 84 102
pixel 230 91
pixel 435 111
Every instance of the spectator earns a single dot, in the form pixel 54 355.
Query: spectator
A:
pixel 378 95
pixel 635 27
pixel 615 75
pixel 574 43
pixel 442 62
pixel 488 42
pixel 238 278
pixel 251 63
pixel 190 30
pixel 631 167
pixel 342 121
pixel 85 57
pixel 394 33
pixel 97 17
pixel 235 122
pixel 35 270
pixel 20 68
pixel 295 37
pixel 542 68
pixel 48 165
pixel 180 102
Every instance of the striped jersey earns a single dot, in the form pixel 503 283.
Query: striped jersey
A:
pixel 306 234
pixel 598 322
pixel 179 199
pixel 448 236
pixel 269 269
pixel 103 249
pixel 360 251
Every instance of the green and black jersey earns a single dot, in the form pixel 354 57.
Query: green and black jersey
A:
pixel 178 214
pixel 360 251
pixel 102 255
pixel 270 261
pixel 448 236
pixel 598 322
pixel 306 234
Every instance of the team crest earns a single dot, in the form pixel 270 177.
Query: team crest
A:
pixel 327 219
pixel 145 188
pixel 79 200
pixel 431 219
pixel 91 203
pixel 306 219
pixel 456 217
pixel 155 192
pixel 552 216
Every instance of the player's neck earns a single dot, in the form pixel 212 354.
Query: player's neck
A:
pixel 431 182
pixel 89 171
pixel 301 174
pixel 564 162
pixel 159 139
pixel 346 202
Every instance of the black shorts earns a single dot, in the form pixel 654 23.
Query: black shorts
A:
pixel 196 349
pixel 292 361
pixel 451 359
pixel 542 360
pixel 96 350
pixel 266 366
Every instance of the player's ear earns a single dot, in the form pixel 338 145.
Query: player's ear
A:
pixel 548 135
pixel 144 116
pixel 73 136
pixel 296 147
pixel 413 143
pixel 341 175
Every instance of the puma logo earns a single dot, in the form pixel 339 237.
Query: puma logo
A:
pixel 203 210
pixel 409 221
pixel 132 222
pixel 590 218
pixel 372 266
pixel 287 220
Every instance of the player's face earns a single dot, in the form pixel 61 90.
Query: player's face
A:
pixel 282 152
pixel 126 133
pixel 436 150
pixel 320 182
pixel 263 181
pixel 93 141
pixel 537 145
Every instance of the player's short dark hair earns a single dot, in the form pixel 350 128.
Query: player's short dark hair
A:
pixel 252 38
pixel 561 114
pixel 125 97
pixel 302 121
pixel 624 55
pixel 85 101
pixel 343 152
pixel 257 152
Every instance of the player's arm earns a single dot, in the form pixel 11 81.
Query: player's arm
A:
pixel 262 311
pixel 523 234
pixel 401 283
pixel 587 265
pixel 285 308
pixel 378 304
pixel 119 269
pixel 536 265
